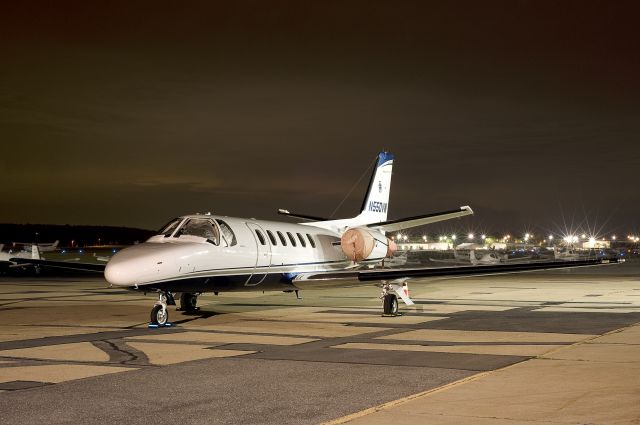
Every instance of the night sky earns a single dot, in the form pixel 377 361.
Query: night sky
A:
pixel 131 113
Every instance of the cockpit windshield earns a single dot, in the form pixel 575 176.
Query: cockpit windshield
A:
pixel 203 228
pixel 168 228
pixel 228 234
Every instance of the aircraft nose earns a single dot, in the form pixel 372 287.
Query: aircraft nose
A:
pixel 132 265
pixel 115 273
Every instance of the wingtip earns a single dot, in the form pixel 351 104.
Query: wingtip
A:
pixel 466 208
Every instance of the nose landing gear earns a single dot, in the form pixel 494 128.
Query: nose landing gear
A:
pixel 159 312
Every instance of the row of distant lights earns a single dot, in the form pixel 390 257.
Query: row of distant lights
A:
pixel 470 236
pixel 527 237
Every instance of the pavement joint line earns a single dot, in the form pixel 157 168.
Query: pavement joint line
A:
pixel 585 341
pixel 408 398
pixel 257 356
pixel 403 400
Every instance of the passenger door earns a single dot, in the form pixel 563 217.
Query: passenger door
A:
pixel 263 255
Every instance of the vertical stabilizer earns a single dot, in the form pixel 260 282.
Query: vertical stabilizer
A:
pixel 35 252
pixel 376 202
pixel 472 257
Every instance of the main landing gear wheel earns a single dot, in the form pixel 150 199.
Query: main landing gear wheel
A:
pixel 188 302
pixel 159 315
pixel 390 305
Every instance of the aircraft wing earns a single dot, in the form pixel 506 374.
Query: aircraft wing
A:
pixel 68 265
pixel 420 220
pixel 346 278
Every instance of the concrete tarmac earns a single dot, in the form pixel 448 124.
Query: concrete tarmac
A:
pixel 554 347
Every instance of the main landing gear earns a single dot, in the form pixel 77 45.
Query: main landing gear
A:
pixel 189 302
pixel 159 312
pixel 389 301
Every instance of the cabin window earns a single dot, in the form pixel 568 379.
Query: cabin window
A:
pixel 201 228
pixel 168 229
pixel 261 237
pixel 292 239
pixel 282 239
pixel 271 237
pixel 228 234
pixel 311 241
pixel 302 242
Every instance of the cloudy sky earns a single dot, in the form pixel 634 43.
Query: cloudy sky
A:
pixel 131 113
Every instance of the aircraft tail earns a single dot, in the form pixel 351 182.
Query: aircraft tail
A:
pixel 472 257
pixel 35 252
pixel 375 205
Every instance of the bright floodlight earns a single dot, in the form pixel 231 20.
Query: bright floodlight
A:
pixel 483 237
pixel 470 236
pixel 453 237
pixel 404 237
pixel 613 237
pixel 583 236
pixel 550 237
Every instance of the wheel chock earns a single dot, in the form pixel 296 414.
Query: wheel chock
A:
pixel 154 326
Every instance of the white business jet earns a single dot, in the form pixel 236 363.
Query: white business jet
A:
pixel 9 258
pixel 202 253
pixel 42 247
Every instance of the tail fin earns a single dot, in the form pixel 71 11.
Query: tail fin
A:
pixel 376 202
pixel 35 252
pixel 472 257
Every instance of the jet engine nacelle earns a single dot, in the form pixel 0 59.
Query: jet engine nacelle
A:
pixel 364 244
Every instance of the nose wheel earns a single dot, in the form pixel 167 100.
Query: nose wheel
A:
pixel 159 312
pixel 159 315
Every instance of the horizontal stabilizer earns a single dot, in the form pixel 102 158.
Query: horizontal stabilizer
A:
pixel 302 216
pixel 420 220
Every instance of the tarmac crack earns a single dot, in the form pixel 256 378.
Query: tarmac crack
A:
pixel 121 353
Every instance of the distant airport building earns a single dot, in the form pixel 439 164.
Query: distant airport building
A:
pixel 596 244
pixel 426 246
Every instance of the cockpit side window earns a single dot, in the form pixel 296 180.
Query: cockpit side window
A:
pixel 168 229
pixel 202 228
pixel 228 234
